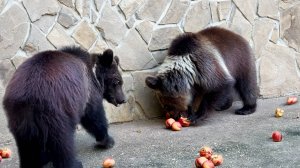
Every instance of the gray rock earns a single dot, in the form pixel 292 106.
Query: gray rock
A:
pixel 133 52
pixel 145 29
pixel 83 7
pixel 214 11
pixel 84 35
pixel 160 56
pixel 278 71
pixel 152 10
pixel 286 4
pixel 115 2
pixel 67 17
pixel 197 17
pixel 99 47
pixel 98 4
pixel 59 38
pixel 6 71
pixel 240 25
pixel 175 12
pixel 130 22
pixel 129 7
pixel 2 4
pixel 162 37
pixel 290 27
pixel 93 16
pixel 18 60
pixel 45 23
pixel 224 9
pixel 111 26
pixel 68 3
pixel 248 8
pixel 36 42
pixel 268 8
pixel 261 34
pixel 144 96
pixel 275 35
pixel 14 28
pixel 36 9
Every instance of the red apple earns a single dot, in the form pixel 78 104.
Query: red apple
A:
pixel 276 136
pixel 206 152
pixel 291 100
pixel 176 126
pixel 5 153
pixel 184 121
pixel 208 164
pixel 217 159
pixel 199 161
pixel 169 122
pixel 108 163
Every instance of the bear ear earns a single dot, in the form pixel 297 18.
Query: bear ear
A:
pixel 117 59
pixel 106 58
pixel 152 82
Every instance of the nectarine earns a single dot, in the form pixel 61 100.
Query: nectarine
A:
pixel 217 159
pixel 206 152
pixel 176 126
pixel 108 163
pixel 169 122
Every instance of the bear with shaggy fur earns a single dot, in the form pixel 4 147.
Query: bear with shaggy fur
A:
pixel 201 72
pixel 53 91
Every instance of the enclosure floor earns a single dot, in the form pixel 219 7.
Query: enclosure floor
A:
pixel 244 141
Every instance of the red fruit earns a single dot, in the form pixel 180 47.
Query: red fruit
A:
pixel 291 100
pixel 276 136
pixel 199 161
pixel 6 153
pixel 208 164
pixel 217 159
pixel 108 163
pixel 176 126
pixel 0 158
pixel 206 152
pixel 169 122
pixel 184 121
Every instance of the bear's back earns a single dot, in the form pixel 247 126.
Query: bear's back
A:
pixel 49 77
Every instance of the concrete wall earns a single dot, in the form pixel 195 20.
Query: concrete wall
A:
pixel 139 31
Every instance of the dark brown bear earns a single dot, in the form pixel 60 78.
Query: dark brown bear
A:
pixel 201 71
pixel 53 91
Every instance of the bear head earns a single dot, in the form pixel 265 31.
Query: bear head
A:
pixel 172 91
pixel 108 74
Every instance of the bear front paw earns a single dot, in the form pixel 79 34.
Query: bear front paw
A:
pixel 106 143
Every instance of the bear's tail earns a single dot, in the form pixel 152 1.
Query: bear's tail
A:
pixel 183 44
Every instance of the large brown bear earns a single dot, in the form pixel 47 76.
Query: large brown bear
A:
pixel 201 71
pixel 53 91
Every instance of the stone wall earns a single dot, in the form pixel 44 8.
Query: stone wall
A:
pixel 139 31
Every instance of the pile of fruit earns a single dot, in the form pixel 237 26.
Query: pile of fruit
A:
pixel 5 153
pixel 177 125
pixel 207 159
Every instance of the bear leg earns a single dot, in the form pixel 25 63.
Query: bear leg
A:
pixel 247 90
pixel 29 152
pixel 222 100
pixel 61 145
pixel 201 113
pixel 94 121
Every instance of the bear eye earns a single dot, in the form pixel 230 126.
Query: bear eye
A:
pixel 117 82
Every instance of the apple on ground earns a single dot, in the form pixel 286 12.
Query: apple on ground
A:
pixel 217 159
pixel 279 112
pixel 276 136
pixel 208 164
pixel 108 163
pixel 5 153
pixel 185 122
pixel 199 161
pixel 176 126
pixel 169 122
pixel 291 100
pixel 206 152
